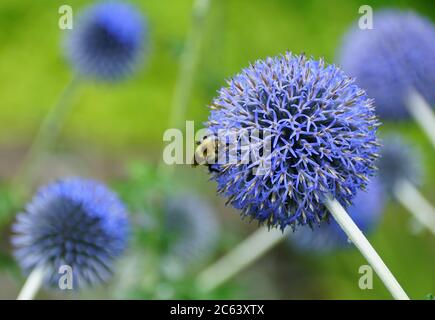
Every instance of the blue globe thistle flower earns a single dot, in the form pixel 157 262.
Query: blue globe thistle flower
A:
pixel 365 211
pixel 399 160
pixel 192 227
pixel 322 131
pixel 107 41
pixel 393 57
pixel 75 222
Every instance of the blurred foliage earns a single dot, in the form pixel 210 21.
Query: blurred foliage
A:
pixel 126 122
pixel 6 206
pixel 33 70
pixel 160 275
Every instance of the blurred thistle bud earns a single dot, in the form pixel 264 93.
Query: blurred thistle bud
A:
pixel 399 160
pixel 393 58
pixel 108 41
pixel 191 227
pixel 78 223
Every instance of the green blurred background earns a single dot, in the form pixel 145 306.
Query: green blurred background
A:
pixel 115 133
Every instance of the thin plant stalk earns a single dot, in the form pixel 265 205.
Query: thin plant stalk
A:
pixel 263 240
pixel 187 69
pixel 47 134
pixel 32 284
pixel 366 249
pixel 422 113
pixel 185 80
pixel 409 197
pixel 246 253
pixel 188 63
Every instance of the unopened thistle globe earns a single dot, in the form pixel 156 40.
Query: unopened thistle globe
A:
pixel 391 59
pixel 399 161
pixel 192 228
pixel 322 133
pixel 75 222
pixel 108 40
pixel 366 211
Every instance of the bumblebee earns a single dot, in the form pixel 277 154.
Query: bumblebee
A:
pixel 206 154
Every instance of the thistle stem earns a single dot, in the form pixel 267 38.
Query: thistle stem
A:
pixel 32 284
pixel 422 113
pixel 364 246
pixel 408 195
pixel 187 68
pixel 47 134
pixel 239 258
pixel 188 63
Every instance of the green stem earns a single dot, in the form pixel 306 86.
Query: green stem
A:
pixel 188 64
pixel 46 136
pixel 187 69
pixel 242 256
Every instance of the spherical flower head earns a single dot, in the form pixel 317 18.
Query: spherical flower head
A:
pixel 74 222
pixel 397 55
pixel 365 211
pixel 399 160
pixel 321 131
pixel 191 225
pixel 107 41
